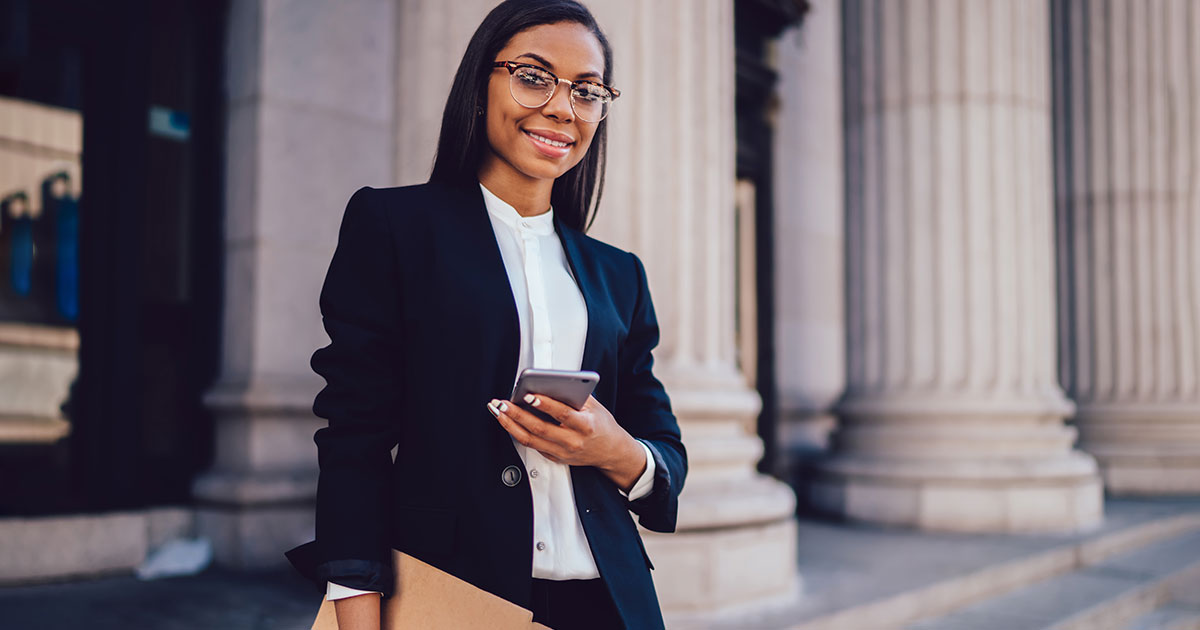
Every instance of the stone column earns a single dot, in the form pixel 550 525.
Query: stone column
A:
pixel 1127 167
pixel 431 38
pixel 810 328
pixel 670 199
pixel 309 120
pixel 953 416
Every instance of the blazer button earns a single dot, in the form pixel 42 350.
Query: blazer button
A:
pixel 511 476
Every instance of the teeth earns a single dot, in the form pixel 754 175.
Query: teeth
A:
pixel 553 143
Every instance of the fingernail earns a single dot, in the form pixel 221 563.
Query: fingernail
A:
pixel 503 406
pixel 531 399
pixel 492 408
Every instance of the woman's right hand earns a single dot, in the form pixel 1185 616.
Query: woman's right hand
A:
pixel 360 612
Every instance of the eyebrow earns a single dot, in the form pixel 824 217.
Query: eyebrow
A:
pixel 549 66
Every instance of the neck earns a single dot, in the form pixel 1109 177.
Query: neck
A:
pixel 527 195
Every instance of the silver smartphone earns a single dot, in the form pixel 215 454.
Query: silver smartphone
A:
pixel 569 387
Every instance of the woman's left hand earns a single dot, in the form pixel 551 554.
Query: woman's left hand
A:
pixel 585 437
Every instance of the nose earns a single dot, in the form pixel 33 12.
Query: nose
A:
pixel 559 105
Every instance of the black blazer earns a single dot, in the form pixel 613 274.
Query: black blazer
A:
pixel 424 332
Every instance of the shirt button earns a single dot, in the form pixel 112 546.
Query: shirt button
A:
pixel 541 546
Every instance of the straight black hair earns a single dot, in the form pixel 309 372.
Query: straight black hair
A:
pixel 463 139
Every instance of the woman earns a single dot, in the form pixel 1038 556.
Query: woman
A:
pixel 438 295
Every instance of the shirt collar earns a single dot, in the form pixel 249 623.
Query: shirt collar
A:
pixel 541 224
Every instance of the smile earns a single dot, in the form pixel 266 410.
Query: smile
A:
pixel 548 141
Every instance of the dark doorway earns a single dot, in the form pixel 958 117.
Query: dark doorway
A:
pixel 146 76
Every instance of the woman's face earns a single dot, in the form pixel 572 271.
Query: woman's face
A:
pixel 570 51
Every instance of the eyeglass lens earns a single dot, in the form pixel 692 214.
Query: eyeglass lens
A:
pixel 532 87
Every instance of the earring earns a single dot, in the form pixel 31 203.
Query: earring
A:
pixel 478 111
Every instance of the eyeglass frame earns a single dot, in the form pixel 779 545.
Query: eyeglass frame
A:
pixel 512 66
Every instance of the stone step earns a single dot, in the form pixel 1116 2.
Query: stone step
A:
pixel 861 577
pixel 1169 616
pixel 1108 594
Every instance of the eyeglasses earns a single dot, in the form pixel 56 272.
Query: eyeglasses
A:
pixel 532 86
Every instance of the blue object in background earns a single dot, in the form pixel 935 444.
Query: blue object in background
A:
pixel 66 268
pixel 21 257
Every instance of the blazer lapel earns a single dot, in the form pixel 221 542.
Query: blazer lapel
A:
pixel 490 285
pixel 475 227
pixel 585 276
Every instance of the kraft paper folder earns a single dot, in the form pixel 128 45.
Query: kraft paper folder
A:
pixel 428 598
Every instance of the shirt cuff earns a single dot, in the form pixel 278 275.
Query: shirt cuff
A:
pixel 645 483
pixel 337 591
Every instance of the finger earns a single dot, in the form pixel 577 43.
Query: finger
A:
pixel 518 431
pixel 539 426
pixel 568 440
pixel 560 411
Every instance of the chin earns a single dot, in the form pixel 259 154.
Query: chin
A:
pixel 540 169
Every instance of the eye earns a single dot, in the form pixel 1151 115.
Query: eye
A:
pixel 532 78
pixel 592 93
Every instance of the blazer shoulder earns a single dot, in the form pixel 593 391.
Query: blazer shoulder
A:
pixel 407 210
pixel 428 203
pixel 395 198
pixel 613 258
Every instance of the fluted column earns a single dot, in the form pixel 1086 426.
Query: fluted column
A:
pixel 1127 167
pixel 309 115
pixel 810 321
pixel 670 199
pixel 953 416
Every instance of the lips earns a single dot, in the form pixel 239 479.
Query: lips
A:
pixel 549 143
pixel 550 137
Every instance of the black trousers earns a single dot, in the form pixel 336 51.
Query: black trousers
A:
pixel 574 605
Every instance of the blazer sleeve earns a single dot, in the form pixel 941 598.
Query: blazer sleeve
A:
pixel 360 308
pixel 645 409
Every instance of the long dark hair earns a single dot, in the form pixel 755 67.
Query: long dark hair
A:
pixel 463 140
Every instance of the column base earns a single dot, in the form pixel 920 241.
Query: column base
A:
pixel 1064 495
pixel 252 518
pixel 734 550
pixel 1144 449
pixel 1149 473
pixel 258 499
pixel 255 537
pixel 700 574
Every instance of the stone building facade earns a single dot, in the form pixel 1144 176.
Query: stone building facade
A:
pixel 984 276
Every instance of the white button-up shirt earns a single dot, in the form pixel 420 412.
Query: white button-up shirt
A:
pixel 553 326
